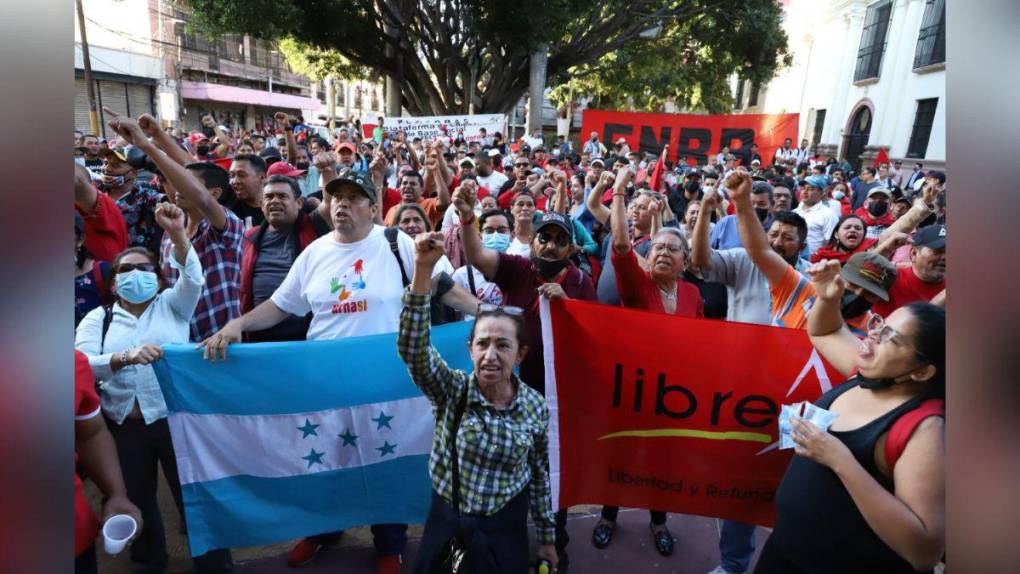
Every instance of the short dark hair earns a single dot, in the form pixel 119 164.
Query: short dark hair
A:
pixel 294 187
pixel 517 320
pixel 791 218
pixel 257 162
pixel 412 173
pixel 870 170
pixel 212 175
pixel 760 187
pixel 415 207
pixel 496 213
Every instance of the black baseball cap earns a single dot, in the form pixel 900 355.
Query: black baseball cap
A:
pixel 552 218
pixel 933 236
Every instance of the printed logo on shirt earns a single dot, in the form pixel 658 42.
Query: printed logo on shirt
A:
pixel 348 286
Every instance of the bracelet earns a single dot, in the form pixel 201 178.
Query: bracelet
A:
pixel 469 220
pixel 123 358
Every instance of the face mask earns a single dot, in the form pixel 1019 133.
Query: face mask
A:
pixel 549 268
pixel 115 181
pixel 838 195
pixel 302 165
pixel 878 209
pixel 137 286
pixel 202 150
pixel 853 305
pixel 709 189
pixel 80 161
pixel 496 241
pixel 762 213
pixel 878 384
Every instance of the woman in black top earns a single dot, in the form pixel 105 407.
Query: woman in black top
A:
pixel 839 508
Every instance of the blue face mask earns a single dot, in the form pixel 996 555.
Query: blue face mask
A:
pixel 496 241
pixel 137 286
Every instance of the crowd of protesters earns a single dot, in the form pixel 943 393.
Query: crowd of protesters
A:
pixel 219 237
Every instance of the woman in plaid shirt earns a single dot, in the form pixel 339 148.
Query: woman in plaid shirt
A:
pixel 501 440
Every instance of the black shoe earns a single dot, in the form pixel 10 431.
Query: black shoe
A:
pixel 603 534
pixel 663 540
pixel 564 562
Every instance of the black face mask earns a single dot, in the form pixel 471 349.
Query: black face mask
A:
pixel 202 150
pixel 882 383
pixel 878 208
pixel 549 268
pixel 302 165
pixel 762 213
pixel 853 305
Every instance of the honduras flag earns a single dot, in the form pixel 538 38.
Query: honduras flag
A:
pixel 285 440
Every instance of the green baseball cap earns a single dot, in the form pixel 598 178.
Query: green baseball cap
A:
pixel 355 178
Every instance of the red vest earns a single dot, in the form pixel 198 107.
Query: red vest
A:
pixel 250 253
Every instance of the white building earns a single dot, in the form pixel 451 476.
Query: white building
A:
pixel 866 74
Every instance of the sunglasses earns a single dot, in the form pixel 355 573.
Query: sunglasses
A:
pixel 508 310
pixel 560 240
pixel 127 267
pixel 885 334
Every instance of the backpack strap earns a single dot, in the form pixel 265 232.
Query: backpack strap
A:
pixel 107 320
pixel 391 236
pixel 471 280
pixel 904 427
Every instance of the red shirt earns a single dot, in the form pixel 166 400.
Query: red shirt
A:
pixel 105 230
pixel 639 291
pixel 86 406
pixel 907 289
pixel 390 198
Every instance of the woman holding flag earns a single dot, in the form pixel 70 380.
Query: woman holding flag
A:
pixel 659 289
pixel 489 463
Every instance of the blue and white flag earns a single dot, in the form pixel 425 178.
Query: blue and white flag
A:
pixel 285 440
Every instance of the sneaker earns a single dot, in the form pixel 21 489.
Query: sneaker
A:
pixel 663 540
pixel 304 551
pixel 603 533
pixel 389 564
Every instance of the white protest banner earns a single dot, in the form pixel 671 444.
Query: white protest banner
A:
pixel 427 127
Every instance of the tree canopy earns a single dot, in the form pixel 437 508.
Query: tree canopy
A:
pixel 447 54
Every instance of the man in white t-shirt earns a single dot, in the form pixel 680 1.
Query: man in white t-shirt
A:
pixel 351 282
pixel 486 176
pixel 821 219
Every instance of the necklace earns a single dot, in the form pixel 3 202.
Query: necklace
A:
pixel 669 295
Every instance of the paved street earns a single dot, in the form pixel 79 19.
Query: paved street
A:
pixel 632 549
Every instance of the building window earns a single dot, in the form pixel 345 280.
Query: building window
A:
pixel 873 38
pixel 921 133
pixel 931 41
pixel 752 99
pixel 738 101
pixel 230 47
pixel 816 136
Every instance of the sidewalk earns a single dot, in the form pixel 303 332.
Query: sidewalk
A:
pixel 632 550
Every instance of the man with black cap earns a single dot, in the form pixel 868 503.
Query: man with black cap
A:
pixel 351 281
pixel 549 272
pixel 137 202
pixel 875 212
pixel 270 155
pixel 925 276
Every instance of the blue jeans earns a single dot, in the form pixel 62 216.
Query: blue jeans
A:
pixel 736 546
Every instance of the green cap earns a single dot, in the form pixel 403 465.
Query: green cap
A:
pixel 355 178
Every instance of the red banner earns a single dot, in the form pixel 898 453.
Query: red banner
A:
pixel 690 427
pixel 692 135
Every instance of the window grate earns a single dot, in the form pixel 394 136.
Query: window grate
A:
pixel 921 133
pixel 873 41
pixel 931 40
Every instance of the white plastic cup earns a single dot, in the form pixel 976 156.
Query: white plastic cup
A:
pixel 116 533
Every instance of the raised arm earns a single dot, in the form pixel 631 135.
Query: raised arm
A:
pixel 594 201
pixel 825 324
pixel 923 207
pixel 701 248
pixel 163 140
pixel 223 149
pixel 771 264
pixel 485 260
pixel 283 122
pixel 890 243
pixel 560 198
pixel 618 219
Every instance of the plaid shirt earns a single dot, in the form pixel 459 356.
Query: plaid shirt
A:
pixel 138 207
pixel 220 254
pixel 500 452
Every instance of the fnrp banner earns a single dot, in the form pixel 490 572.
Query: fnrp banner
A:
pixel 427 127
pixel 692 135
pixel 683 421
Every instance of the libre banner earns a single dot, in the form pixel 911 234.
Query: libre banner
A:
pixel 668 413
pixel 692 135
pixel 427 127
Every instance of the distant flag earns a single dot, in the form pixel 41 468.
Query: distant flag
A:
pixel 660 167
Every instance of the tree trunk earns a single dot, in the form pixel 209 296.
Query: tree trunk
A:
pixel 393 83
pixel 536 87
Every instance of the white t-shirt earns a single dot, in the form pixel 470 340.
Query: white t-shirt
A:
pixel 486 291
pixel 352 289
pixel 518 248
pixel 493 182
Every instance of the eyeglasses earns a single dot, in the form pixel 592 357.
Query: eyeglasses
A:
pixel 673 248
pixel 508 310
pixel 885 334
pixel 491 230
pixel 127 267
pixel 522 165
pixel 560 240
